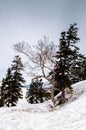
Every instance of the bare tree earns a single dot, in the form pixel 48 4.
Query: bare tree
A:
pixel 40 61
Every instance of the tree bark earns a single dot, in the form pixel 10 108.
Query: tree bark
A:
pixel 52 90
pixel 63 96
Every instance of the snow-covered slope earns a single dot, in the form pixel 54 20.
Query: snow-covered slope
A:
pixel 71 116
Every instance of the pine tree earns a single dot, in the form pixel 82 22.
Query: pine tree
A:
pixel 11 86
pixel 66 55
pixel 83 69
pixel 35 93
pixel 78 69
pixel 2 88
pixel 6 88
pixel 18 79
pixel 31 94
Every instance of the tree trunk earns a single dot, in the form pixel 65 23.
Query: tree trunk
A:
pixel 52 90
pixel 63 96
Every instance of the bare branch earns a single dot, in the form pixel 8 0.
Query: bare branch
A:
pixel 39 57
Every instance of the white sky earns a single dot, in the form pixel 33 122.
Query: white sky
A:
pixel 30 20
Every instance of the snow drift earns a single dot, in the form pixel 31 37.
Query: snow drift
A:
pixel 24 116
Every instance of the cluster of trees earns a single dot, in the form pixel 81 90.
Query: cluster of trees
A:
pixel 60 65
pixel 10 89
pixel 36 93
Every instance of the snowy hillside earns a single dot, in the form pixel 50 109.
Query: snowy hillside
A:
pixel 71 116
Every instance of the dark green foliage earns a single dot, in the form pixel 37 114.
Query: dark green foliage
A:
pixel 8 91
pixel 65 57
pixel 6 88
pixel 78 69
pixel 17 76
pixel 36 93
pixel 2 88
pixel 11 86
pixel 32 94
pixel 83 69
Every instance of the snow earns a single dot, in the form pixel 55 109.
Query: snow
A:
pixel 24 116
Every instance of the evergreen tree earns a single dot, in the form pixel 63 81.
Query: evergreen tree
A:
pixel 17 81
pixel 78 69
pixel 9 90
pixel 65 57
pixel 35 93
pixel 6 88
pixel 31 94
pixel 11 86
pixel 83 69
pixel 2 88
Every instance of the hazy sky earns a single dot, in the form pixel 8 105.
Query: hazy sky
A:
pixel 30 20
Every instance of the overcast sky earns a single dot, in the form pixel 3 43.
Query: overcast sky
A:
pixel 30 20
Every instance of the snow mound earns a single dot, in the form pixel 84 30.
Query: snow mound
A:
pixel 80 88
pixel 71 116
